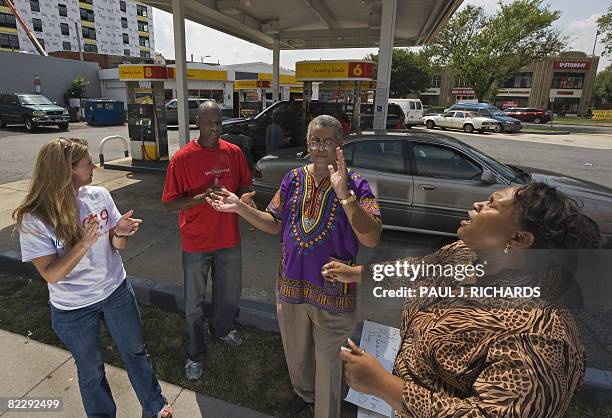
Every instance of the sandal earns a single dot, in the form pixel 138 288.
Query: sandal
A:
pixel 166 412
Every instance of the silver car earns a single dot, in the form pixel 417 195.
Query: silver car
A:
pixel 425 182
pixel 172 110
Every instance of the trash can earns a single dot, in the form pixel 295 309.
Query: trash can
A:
pixel 103 112
pixel 74 114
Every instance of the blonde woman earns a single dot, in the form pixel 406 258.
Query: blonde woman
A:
pixel 72 232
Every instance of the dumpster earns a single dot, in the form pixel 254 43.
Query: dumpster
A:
pixel 103 112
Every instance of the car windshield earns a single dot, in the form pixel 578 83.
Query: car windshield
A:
pixel 508 172
pixel 34 100
pixel 495 111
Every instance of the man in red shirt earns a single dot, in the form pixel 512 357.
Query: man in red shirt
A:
pixel 211 239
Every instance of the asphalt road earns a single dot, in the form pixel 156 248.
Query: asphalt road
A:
pixel 585 156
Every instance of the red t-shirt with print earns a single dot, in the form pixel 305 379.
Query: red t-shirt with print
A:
pixel 194 169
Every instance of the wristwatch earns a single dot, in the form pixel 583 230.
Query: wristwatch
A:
pixel 349 199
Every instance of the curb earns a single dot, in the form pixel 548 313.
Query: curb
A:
pixel 545 132
pixel 597 386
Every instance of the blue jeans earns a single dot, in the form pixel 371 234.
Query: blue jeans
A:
pixel 226 275
pixel 79 330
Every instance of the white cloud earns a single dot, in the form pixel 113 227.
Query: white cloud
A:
pixel 582 36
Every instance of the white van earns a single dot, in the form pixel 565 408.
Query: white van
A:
pixel 413 109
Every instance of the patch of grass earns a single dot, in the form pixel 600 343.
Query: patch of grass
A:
pixel 581 121
pixel 253 375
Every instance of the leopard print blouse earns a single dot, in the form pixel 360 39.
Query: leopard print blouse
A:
pixel 478 358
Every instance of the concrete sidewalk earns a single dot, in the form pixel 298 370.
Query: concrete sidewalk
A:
pixel 34 370
pixel 153 263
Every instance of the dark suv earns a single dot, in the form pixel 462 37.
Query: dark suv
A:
pixel 292 119
pixel 31 110
pixel 529 114
pixel 506 123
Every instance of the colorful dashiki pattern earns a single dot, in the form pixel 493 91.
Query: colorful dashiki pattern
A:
pixel 314 231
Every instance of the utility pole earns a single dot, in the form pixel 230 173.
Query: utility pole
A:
pixel 595 43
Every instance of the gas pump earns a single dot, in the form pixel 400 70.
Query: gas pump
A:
pixel 335 87
pixel 146 105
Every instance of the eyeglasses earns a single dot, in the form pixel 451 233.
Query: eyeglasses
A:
pixel 65 142
pixel 322 144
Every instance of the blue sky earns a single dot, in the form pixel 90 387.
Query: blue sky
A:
pixel 577 21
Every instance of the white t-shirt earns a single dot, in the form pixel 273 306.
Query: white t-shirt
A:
pixel 99 272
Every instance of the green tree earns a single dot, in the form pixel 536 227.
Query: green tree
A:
pixel 484 50
pixel 79 87
pixel 604 25
pixel 602 89
pixel 410 72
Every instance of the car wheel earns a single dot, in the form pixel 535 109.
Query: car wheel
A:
pixel 63 126
pixel 29 125
pixel 499 128
pixel 537 120
pixel 468 128
pixel 430 124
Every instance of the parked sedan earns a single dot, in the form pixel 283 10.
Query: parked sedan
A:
pixel 529 114
pixel 172 110
pixel 468 121
pixel 425 182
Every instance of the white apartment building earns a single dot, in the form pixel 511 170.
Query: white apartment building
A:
pixel 114 27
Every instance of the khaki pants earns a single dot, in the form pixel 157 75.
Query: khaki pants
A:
pixel 312 339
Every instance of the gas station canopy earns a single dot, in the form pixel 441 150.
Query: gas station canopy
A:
pixel 317 24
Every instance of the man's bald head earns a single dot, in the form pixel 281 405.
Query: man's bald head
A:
pixel 209 122
pixel 207 106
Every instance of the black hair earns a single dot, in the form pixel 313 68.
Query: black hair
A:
pixel 555 220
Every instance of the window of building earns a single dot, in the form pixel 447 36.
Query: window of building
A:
pixel 9 41
pixel 126 39
pixel 462 83
pixel 145 54
pixel 141 10
pixel 124 22
pixel 8 21
pixel 35 5
pixel 143 41
pixel 217 95
pixel 567 80
pixel 126 52
pixel 87 15
pixel 37 24
pixel 88 33
pixel 518 80
pixel 436 80
pixel 65 29
pixel 90 48
pixel 143 26
pixel 122 6
pixel 66 46
pixel 86 1
pixel 63 10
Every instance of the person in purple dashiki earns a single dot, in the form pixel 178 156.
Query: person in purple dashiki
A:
pixel 323 212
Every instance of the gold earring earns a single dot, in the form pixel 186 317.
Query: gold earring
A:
pixel 507 248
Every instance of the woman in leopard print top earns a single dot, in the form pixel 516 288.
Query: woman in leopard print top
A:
pixel 486 357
